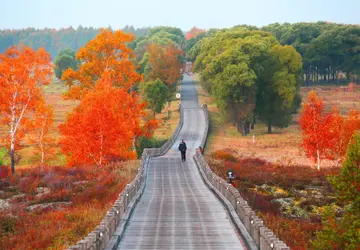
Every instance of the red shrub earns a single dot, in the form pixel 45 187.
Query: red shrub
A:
pixel 261 202
pixel 295 233
pixel 90 190
pixel 259 172
pixel 28 185
pixel 4 172
pixel 54 196
pixel 223 155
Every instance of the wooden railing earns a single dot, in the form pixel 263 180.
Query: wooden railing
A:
pixel 241 213
pixel 109 232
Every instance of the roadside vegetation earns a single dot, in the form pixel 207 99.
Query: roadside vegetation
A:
pixel 284 119
pixel 74 143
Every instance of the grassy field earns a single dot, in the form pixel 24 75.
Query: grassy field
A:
pixel 283 145
pixel 53 95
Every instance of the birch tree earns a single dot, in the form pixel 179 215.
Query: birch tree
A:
pixel 23 72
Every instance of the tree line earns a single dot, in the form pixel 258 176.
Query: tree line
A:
pixel 53 40
pixel 330 51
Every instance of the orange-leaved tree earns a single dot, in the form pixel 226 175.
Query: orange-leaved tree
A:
pixel 341 131
pixel 108 52
pixel 315 128
pixel 165 63
pixel 103 127
pixel 23 72
pixel 193 32
pixel 39 131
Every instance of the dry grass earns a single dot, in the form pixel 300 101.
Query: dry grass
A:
pixel 283 146
pixel 167 124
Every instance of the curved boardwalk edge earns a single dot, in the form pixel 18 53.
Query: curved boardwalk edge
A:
pixel 237 207
pixel 110 230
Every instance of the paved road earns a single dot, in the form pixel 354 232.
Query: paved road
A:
pixel 177 210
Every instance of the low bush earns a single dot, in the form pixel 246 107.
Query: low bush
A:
pixel 144 142
pixel 89 193
pixel 260 202
pixel 4 171
pixel 296 233
pixel 293 181
pixel 224 154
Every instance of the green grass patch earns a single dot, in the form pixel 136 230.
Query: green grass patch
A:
pixel 4 157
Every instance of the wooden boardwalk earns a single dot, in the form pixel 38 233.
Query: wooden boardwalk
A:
pixel 177 210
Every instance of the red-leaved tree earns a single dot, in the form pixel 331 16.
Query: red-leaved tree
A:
pixel 23 72
pixel 193 32
pixel 108 52
pixel 103 127
pixel 165 63
pixel 39 132
pixel 341 131
pixel 315 128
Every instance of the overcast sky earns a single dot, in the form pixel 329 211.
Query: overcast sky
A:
pixel 184 14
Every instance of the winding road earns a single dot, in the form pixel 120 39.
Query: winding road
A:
pixel 177 210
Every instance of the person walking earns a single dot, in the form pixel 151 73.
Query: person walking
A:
pixel 182 149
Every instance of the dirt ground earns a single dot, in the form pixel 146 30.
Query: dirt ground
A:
pixel 283 145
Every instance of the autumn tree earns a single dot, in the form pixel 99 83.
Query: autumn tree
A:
pixel 193 33
pixel 64 60
pixel 343 233
pixel 341 131
pixel 161 35
pixel 23 72
pixel 165 63
pixel 155 94
pixel 39 131
pixel 315 129
pixel 103 127
pixel 108 52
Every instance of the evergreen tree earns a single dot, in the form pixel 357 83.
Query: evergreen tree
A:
pixel 344 233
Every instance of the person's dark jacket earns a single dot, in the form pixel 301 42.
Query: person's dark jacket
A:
pixel 182 146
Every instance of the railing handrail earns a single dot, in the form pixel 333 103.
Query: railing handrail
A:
pixel 241 213
pixel 104 235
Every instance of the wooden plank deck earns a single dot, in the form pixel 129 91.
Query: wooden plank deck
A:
pixel 177 210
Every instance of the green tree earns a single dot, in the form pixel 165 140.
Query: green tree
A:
pixel 344 233
pixel 64 60
pixel 251 75
pixel 232 83
pixel 155 94
pixel 278 93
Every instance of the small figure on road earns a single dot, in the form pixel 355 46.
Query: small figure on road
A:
pixel 182 148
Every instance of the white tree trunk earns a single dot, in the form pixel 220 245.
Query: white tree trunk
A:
pixel 134 143
pixel 318 159
pixel 12 138
pixel 101 151
pixel 42 146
